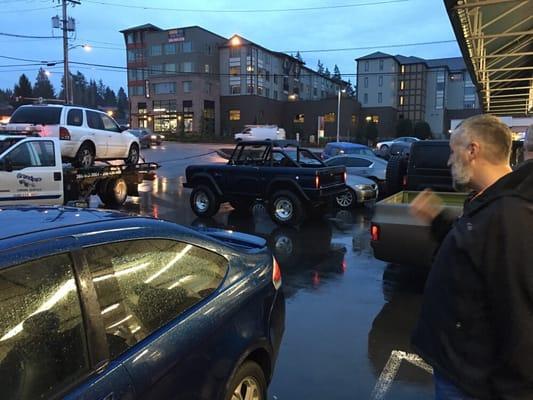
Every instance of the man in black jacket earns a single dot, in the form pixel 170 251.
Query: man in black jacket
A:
pixel 476 322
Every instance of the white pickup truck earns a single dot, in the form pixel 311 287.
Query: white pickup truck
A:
pixel 31 172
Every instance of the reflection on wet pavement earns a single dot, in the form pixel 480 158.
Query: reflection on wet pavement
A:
pixel 346 311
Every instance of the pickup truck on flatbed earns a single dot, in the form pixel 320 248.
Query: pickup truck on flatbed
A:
pixel 292 181
pixel 399 238
pixel 32 173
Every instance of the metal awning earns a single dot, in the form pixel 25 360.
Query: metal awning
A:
pixel 496 39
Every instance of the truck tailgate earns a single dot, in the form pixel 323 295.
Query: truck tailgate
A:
pixel 330 176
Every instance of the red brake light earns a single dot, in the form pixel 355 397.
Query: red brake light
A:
pixel 317 182
pixel 276 274
pixel 64 134
pixel 374 232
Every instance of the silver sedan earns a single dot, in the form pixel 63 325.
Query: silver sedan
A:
pixel 360 191
pixel 374 168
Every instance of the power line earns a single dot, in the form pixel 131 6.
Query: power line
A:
pixel 271 10
pixel 373 47
pixel 28 36
pixel 27 10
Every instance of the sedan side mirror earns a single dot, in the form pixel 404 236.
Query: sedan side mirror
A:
pixel 123 128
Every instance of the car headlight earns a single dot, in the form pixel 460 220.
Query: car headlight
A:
pixel 364 187
pixel 153 137
pixel 162 136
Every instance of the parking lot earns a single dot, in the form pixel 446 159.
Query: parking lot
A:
pixel 348 314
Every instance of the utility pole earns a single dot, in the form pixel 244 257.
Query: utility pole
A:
pixel 67 25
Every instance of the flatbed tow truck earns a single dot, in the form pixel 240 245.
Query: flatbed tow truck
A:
pixel 32 173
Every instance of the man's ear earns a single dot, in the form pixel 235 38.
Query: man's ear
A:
pixel 474 149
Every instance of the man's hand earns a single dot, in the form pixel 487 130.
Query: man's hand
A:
pixel 426 206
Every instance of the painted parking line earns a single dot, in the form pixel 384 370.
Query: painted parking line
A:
pixel 391 370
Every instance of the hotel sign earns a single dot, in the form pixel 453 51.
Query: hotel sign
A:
pixel 176 35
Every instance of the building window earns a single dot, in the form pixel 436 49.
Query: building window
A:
pixel 354 119
pixel 366 82
pixel 165 106
pixel 366 66
pixel 234 71
pixel 402 69
pixel 155 50
pixel 235 52
pixel 380 81
pixel 267 76
pixel 208 49
pixel 187 86
pixel 402 85
pixel 275 94
pixel 141 108
pixel 187 67
pixel 235 89
pixel 372 118
pixel 156 69
pixel 299 119
pixel 365 98
pixel 439 96
pixel 401 100
pixel 469 100
pixel 234 115
pixel 381 65
pixel 170 49
pixel 206 68
pixel 329 117
pixel 380 97
pixel 457 76
pixel 187 47
pixel 275 79
pixel 165 88
pixel 260 90
pixel 208 87
pixel 267 92
pixel 170 68
pixel 187 106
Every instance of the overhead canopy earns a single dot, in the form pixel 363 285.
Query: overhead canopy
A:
pixel 496 39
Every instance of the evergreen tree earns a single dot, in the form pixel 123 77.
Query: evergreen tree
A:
pixel 122 103
pixel 100 91
pixel 79 89
pixel 22 90
pixel 320 68
pixel 327 74
pixel 110 99
pixel 371 133
pixel 422 130
pixel 350 91
pixel 337 73
pixel 404 127
pixel 299 56
pixel 43 87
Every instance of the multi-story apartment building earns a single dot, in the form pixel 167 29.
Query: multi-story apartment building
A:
pixel 173 80
pixel 399 87
pixel 192 80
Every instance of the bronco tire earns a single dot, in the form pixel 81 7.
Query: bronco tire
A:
pixel 285 208
pixel 204 202
pixel 396 170
pixel 113 192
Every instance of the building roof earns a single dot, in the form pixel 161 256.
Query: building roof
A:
pixel 453 63
pixel 142 28
pixel 373 56
pixel 409 59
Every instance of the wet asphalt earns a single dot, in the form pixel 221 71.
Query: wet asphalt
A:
pixel 347 312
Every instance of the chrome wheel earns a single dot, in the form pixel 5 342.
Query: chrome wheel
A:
pixel 283 209
pixel 283 245
pixel 247 389
pixel 120 189
pixel 86 157
pixel 133 156
pixel 201 201
pixel 346 199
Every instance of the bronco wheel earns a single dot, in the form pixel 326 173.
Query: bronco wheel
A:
pixel 85 156
pixel 346 199
pixel 133 155
pixel 285 208
pixel 248 383
pixel 114 192
pixel 204 202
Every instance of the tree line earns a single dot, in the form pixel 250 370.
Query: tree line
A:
pixel 87 93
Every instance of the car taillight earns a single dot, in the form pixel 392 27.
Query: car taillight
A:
pixel 374 232
pixel 317 181
pixel 276 274
pixel 64 134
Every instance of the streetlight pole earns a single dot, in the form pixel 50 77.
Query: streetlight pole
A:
pixel 339 112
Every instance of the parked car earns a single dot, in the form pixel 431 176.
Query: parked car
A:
pixel 360 191
pixel 371 167
pixel 147 138
pixel 291 180
pixel 339 148
pixel 261 132
pixel 86 135
pixel 385 145
pixel 102 305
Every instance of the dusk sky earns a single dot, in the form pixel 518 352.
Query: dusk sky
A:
pixel 374 24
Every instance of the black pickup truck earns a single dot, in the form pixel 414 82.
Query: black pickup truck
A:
pixel 292 181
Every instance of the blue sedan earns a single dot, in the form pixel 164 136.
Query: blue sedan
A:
pixel 102 305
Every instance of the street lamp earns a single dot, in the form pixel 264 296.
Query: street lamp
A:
pixel 69 89
pixel 339 111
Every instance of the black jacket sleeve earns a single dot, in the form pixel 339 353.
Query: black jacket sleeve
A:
pixel 508 266
pixel 441 225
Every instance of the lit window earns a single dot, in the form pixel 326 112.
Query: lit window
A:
pixel 329 117
pixel 401 100
pixel 375 119
pixel 206 68
pixel 299 118
pixel 234 115
pixel 403 69
pixel 402 85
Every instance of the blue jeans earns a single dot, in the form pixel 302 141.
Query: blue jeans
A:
pixel 446 390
